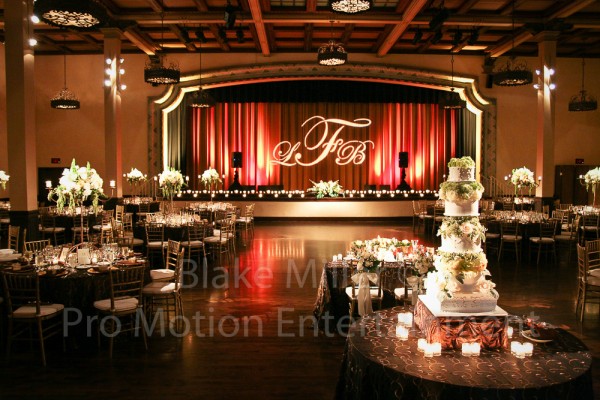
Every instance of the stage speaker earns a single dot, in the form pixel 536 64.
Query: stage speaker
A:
pixel 403 159
pixel 236 159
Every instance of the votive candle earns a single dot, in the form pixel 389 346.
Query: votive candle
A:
pixel 475 349
pixel 437 348
pixel 421 343
pixel 466 349
pixel 528 349
pixel 401 332
pixel 509 332
pixel 428 350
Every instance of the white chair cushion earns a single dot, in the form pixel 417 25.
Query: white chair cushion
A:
pixel 511 238
pixel 155 288
pixel 215 239
pixel 543 240
pixel 56 229
pixel 492 235
pixel 45 310
pixel 193 243
pixel 593 280
pixel 156 244
pixel 122 304
pixel 161 274
pixel 594 272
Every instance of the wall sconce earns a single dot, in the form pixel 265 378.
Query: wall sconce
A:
pixel 113 72
pixel 545 78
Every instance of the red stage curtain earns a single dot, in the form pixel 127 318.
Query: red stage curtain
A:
pixel 426 131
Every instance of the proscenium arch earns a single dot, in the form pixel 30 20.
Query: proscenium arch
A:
pixel 467 88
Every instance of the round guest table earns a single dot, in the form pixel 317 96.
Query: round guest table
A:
pixel 378 365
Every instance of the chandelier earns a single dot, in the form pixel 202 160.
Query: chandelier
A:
pixel 76 14
pixel 583 101
pixel 201 99
pixel 349 6
pixel 65 99
pixel 156 72
pixel 513 73
pixel 452 100
pixel 332 53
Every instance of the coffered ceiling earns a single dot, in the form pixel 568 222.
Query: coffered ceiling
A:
pixel 472 27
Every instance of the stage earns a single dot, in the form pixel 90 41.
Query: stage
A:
pixel 295 205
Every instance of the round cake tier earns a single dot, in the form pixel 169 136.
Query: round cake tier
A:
pixel 458 174
pixel 461 210
pixel 459 245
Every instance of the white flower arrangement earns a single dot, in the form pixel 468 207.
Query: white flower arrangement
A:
pixel 135 177
pixel 463 162
pixel 210 177
pixel 366 254
pixel 76 185
pixel 461 192
pixel 591 179
pixel 324 189
pixel 170 181
pixel 523 177
pixel 422 261
pixel 4 179
pixel 459 227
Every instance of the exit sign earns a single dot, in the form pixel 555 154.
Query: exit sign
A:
pixel 579 161
pixel 55 160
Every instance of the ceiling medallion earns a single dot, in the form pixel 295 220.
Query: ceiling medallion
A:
pixel 350 6
pixel 76 14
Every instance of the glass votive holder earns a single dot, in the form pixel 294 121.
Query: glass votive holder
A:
pixel 475 349
pixel 466 349
pixel 527 349
pixel 421 343
pixel 401 332
pixel 509 332
pixel 428 351
pixel 437 348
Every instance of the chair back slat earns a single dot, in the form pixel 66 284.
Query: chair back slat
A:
pixel 21 289
pixel 37 245
pixel 126 282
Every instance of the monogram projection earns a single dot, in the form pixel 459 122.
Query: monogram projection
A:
pixel 325 134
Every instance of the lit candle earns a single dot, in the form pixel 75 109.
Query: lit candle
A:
pixel 466 349
pixel 48 184
pixel 475 349
pixel 340 258
pixel 334 258
pixel 94 260
pixel 509 332
pixel 516 348
pixel 421 343
pixel 112 184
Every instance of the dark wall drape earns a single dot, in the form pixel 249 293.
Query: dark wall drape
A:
pixel 292 143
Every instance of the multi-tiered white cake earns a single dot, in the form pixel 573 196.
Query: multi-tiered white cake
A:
pixel 459 283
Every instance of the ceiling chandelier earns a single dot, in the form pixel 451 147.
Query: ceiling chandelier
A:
pixel 452 100
pixel 513 73
pixel 156 72
pixel 332 53
pixel 583 101
pixel 201 99
pixel 349 6
pixel 76 14
pixel 65 99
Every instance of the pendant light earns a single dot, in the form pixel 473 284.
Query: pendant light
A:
pixel 65 99
pixel 332 53
pixel 452 100
pixel 201 99
pixel 583 101
pixel 513 72
pixel 156 72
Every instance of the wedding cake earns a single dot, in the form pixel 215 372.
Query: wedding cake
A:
pixel 459 282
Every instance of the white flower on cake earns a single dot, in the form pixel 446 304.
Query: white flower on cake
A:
pixel 469 227
pixel 463 162
pixel 210 177
pixel 76 185
pixel 170 181
pixel 3 179
pixel 461 192
pixel 324 189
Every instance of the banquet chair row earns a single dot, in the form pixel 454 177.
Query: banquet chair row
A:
pixel 588 276
pixel 246 223
pixel 222 241
pixel 590 225
pixel 48 228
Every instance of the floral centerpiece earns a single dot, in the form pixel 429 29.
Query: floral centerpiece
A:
pixel 422 262
pixel 170 181
pixel 4 179
pixel 76 185
pixel 135 178
pixel 326 189
pixel 523 177
pixel 591 179
pixel 210 178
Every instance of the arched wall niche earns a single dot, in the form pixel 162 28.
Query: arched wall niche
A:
pixel 467 87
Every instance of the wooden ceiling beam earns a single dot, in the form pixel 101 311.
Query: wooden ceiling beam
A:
pixel 140 41
pixel 183 37
pixel 409 14
pixel 259 25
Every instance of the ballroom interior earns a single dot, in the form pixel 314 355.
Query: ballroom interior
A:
pixel 379 123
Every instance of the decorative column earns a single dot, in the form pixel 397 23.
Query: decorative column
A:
pixel 545 113
pixel 112 112
pixel 20 107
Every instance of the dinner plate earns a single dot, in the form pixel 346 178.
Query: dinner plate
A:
pixel 83 266
pixel 527 335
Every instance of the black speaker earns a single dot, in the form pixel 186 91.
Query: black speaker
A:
pixel 403 159
pixel 236 159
